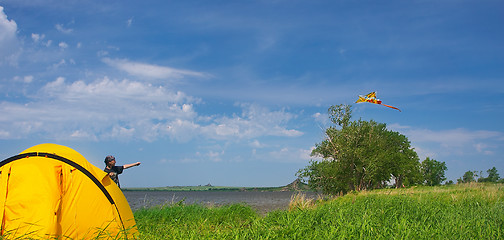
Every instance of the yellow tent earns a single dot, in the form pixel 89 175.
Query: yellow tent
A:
pixel 52 191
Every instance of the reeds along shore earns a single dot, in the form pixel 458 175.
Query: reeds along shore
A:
pixel 467 211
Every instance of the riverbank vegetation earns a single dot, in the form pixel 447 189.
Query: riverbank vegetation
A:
pixel 462 211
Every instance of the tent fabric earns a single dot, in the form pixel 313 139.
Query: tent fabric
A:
pixel 52 191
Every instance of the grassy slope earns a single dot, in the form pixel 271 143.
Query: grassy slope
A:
pixel 473 211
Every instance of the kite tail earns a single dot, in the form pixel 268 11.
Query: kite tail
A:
pixel 391 107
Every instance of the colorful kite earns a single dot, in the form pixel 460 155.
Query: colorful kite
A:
pixel 371 98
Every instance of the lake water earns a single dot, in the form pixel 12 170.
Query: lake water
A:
pixel 263 202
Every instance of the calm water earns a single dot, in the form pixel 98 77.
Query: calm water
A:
pixel 261 201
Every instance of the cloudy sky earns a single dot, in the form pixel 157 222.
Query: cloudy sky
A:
pixel 235 93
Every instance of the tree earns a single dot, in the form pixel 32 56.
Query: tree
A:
pixel 359 155
pixel 403 160
pixel 433 172
pixel 468 177
pixel 493 176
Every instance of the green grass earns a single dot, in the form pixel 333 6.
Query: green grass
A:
pixel 474 211
pixel 194 221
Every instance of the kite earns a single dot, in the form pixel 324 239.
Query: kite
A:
pixel 371 98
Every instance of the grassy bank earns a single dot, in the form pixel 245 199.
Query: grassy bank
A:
pixel 449 212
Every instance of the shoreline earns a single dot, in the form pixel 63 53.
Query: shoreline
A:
pixel 294 186
pixel 262 201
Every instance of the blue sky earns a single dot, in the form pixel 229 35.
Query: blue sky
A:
pixel 235 93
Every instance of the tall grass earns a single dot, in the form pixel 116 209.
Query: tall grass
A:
pixel 472 211
pixel 95 234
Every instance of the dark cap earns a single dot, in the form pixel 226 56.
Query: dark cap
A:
pixel 109 158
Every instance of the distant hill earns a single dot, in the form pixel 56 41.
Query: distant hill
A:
pixel 296 185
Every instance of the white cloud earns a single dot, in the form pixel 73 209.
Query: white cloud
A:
pixel 451 141
pixel 114 93
pixel 121 132
pixel 7 27
pixel 182 130
pixel 484 148
pixel 256 144
pixel 101 109
pixel 28 79
pixel 37 37
pixel 215 156
pixel 317 116
pixel 254 121
pixel 291 155
pixel 62 62
pixel 4 134
pixel 102 53
pixel 252 124
pixel 126 109
pixel 151 71
pixel 25 79
pixel 62 29
pixel 63 45
pixel 82 134
pixel 9 49
pixel 424 152
pixel 452 137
